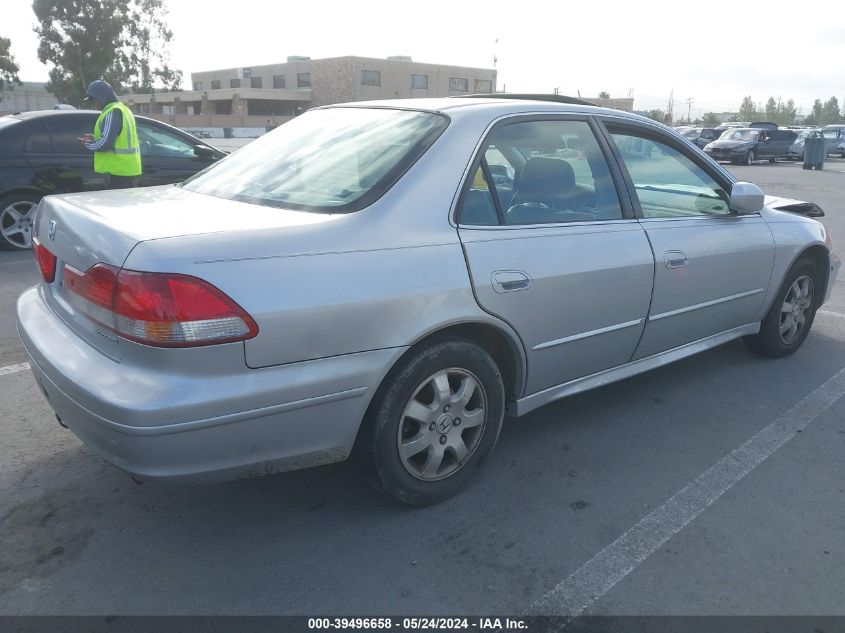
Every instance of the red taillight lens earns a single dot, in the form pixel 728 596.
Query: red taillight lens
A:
pixel 161 309
pixel 46 260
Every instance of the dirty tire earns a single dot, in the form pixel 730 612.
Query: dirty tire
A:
pixel 770 341
pixel 388 431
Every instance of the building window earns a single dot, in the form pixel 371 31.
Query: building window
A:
pixel 303 80
pixel 197 85
pixel 234 83
pixel 255 82
pixel 247 72
pixel 215 84
pixel 483 85
pixel 279 81
pixel 458 84
pixel 370 78
pixel 419 82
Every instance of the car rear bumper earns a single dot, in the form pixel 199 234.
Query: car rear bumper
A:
pixel 316 409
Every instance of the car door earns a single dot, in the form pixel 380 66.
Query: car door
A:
pixel 66 167
pixel 712 266
pixel 554 251
pixel 166 157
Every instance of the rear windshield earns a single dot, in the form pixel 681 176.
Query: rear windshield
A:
pixel 740 135
pixel 335 160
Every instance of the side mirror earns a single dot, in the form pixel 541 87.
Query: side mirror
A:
pixel 746 198
pixel 203 151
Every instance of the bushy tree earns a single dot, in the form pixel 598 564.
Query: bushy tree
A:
pixel 8 68
pixel 121 41
pixel 815 116
pixel 710 118
pixel 748 110
pixel 604 94
pixel 830 112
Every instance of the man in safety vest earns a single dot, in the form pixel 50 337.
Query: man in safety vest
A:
pixel 117 152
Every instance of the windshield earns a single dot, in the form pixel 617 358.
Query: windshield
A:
pixel 693 133
pixel 334 160
pixel 740 135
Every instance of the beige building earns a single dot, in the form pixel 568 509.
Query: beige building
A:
pixel 258 96
pixel 32 95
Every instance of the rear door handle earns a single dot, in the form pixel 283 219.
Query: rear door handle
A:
pixel 510 281
pixel 675 259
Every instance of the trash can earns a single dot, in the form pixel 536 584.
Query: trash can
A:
pixel 814 151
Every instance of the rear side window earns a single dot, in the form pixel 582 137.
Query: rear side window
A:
pixel 334 160
pixel 39 139
pixel 66 133
pixel 541 172
pixel 12 135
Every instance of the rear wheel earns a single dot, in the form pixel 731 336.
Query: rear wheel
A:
pixel 434 421
pixel 791 316
pixel 17 212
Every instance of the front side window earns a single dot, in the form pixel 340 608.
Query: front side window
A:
pixel 303 80
pixel 668 183
pixel 332 160
pixel 458 84
pixel 156 142
pixel 370 78
pixel 541 172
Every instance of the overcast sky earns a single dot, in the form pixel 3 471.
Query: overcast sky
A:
pixel 715 52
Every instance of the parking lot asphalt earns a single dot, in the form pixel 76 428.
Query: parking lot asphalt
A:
pixel 602 491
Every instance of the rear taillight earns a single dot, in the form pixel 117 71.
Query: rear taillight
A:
pixel 161 309
pixel 46 260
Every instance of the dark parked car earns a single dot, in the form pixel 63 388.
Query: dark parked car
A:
pixel 745 145
pixel 40 155
pixel 701 136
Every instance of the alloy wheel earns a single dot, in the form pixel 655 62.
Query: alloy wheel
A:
pixel 16 223
pixel 442 424
pixel 795 309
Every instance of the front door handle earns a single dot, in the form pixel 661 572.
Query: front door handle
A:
pixel 510 281
pixel 675 259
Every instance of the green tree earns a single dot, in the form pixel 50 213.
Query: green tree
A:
pixel 830 112
pixel 604 94
pixel 121 41
pixel 815 116
pixel 8 67
pixel 772 109
pixel 657 115
pixel 748 110
pixel 710 118
pixel 787 113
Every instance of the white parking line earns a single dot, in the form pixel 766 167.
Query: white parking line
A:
pixel 600 574
pixel 829 313
pixel 13 369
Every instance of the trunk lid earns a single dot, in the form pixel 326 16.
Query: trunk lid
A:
pixel 84 229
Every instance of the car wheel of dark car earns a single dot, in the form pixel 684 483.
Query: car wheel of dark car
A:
pixel 17 212
pixel 791 316
pixel 749 157
pixel 435 418
pixel 773 160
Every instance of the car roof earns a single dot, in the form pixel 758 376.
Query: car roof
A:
pixel 491 105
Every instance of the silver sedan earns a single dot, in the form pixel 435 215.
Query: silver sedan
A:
pixel 388 280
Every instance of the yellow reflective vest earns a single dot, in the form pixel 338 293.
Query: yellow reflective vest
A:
pixel 125 158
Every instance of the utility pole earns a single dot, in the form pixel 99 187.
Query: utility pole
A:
pixel 670 108
pixel 689 101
